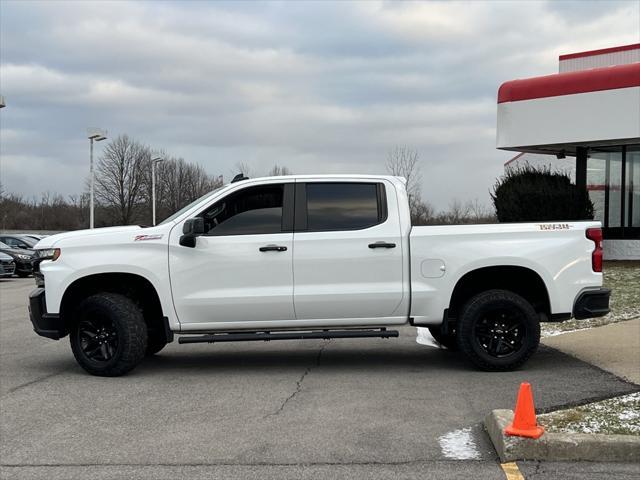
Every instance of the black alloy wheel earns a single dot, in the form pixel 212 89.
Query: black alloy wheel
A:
pixel 501 331
pixel 108 334
pixel 98 338
pixel 498 330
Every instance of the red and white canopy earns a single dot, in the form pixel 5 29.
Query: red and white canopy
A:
pixel 556 113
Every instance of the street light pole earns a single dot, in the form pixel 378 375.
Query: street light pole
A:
pixel 91 182
pixel 97 136
pixel 153 186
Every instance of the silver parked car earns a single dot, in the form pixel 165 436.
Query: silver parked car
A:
pixel 7 265
pixel 14 240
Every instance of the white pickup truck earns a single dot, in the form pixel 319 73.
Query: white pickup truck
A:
pixel 317 256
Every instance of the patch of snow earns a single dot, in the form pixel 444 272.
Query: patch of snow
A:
pixel 619 415
pixel 424 338
pixel 626 416
pixel 459 445
pixel 556 332
pixel 630 398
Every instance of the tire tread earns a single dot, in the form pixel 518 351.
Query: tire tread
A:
pixel 465 323
pixel 131 321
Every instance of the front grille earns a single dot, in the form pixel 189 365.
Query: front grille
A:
pixel 8 267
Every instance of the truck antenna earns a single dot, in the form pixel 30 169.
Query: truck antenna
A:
pixel 239 178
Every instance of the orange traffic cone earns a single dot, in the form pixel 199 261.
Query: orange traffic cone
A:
pixel 524 421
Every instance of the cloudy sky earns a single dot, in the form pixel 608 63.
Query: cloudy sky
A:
pixel 320 87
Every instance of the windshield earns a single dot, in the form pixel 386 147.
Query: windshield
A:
pixel 28 240
pixel 4 245
pixel 184 209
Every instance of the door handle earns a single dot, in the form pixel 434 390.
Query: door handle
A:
pixel 382 245
pixel 273 248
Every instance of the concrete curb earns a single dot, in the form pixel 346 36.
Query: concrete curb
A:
pixel 559 446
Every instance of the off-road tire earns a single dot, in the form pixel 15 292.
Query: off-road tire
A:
pixel 126 320
pixel 483 308
pixel 448 341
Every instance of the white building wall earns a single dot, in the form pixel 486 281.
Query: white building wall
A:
pixel 597 61
pixel 622 249
pixel 570 119
pixel 537 160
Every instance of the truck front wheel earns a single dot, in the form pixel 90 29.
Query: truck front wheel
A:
pixel 498 330
pixel 108 336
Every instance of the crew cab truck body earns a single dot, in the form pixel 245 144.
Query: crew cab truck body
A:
pixel 319 256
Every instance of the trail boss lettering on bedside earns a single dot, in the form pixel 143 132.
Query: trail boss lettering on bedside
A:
pixel 554 226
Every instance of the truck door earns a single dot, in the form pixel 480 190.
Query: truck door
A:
pixel 347 257
pixel 241 269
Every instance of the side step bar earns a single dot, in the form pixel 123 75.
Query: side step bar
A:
pixel 266 336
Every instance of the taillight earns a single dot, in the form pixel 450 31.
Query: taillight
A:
pixel 595 235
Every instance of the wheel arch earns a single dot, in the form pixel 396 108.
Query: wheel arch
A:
pixel 521 280
pixel 134 286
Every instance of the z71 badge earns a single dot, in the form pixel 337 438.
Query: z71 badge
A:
pixel 554 226
pixel 139 238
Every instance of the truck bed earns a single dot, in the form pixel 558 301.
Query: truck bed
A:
pixel 558 252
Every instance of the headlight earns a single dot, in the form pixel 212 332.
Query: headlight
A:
pixel 48 254
pixel 23 257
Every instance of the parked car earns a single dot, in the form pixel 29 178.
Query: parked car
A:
pixel 23 259
pixel 7 265
pixel 36 237
pixel 324 256
pixel 18 241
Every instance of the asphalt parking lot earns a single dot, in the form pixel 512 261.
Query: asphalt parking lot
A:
pixel 356 408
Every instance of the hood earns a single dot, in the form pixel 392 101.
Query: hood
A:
pixel 5 257
pixel 51 241
pixel 17 251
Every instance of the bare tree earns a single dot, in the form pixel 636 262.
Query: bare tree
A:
pixel 120 177
pixel 179 183
pixel 123 187
pixel 277 171
pixel 458 213
pixel 403 161
pixel 244 169
pixel 422 213
pixel 79 205
pixel 480 213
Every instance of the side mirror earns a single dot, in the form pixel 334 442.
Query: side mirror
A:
pixel 190 230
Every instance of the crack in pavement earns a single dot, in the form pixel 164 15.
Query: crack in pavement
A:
pixel 299 382
pixel 32 382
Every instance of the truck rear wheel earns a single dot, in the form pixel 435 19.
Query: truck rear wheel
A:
pixel 109 335
pixel 498 330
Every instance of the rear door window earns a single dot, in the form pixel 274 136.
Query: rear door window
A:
pixel 344 206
